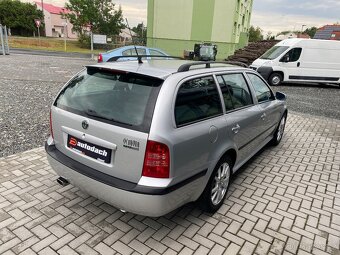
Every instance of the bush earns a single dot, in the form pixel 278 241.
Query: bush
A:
pixel 84 41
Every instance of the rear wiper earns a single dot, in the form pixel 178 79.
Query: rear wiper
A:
pixel 93 113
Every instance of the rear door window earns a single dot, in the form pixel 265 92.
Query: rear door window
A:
pixel 156 53
pixel 197 100
pixel 127 52
pixel 123 99
pixel 235 91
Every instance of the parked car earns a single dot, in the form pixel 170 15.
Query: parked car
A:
pixel 148 138
pixel 130 51
pixel 301 60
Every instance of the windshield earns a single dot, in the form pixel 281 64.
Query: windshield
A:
pixel 274 52
pixel 121 98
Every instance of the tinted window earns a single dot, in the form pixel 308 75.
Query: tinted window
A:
pixel 156 52
pixel 109 96
pixel 127 53
pixel 235 91
pixel 141 51
pixel 294 54
pixel 196 100
pixel 132 52
pixel 263 93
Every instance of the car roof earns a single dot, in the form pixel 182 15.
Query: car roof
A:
pixel 127 47
pixel 164 68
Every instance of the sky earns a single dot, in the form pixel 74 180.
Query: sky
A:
pixel 270 15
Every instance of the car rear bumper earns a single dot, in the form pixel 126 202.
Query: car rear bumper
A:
pixel 127 196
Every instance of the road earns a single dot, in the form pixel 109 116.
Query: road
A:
pixel 314 99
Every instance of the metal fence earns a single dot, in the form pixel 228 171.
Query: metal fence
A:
pixel 4 46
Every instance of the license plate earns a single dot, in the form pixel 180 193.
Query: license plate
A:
pixel 91 150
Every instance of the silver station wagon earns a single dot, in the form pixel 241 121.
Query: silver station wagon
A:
pixel 150 137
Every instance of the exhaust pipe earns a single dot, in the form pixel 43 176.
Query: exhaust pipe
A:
pixel 62 181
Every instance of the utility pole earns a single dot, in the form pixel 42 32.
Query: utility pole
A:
pixel 65 28
pixel 42 7
pixel 43 17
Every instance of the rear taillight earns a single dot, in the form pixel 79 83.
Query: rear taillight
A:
pixel 157 160
pixel 100 58
pixel 51 130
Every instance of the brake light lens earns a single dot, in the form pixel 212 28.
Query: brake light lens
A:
pixel 100 58
pixel 51 130
pixel 156 160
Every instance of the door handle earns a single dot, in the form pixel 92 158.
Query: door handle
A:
pixel 263 116
pixel 236 129
pixel 298 64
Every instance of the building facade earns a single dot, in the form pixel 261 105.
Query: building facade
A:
pixel 177 25
pixel 55 24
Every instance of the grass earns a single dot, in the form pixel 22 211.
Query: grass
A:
pixel 45 43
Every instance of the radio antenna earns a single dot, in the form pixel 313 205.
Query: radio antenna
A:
pixel 138 57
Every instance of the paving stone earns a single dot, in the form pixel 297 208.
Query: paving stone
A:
pixel 44 242
pixel 86 250
pixel 285 201
pixel 104 249
pixel 217 249
pixel 247 248
pixel 122 248
pixel 67 251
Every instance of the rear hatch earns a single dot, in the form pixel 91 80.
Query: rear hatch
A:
pixel 102 118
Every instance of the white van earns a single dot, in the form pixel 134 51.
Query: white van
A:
pixel 301 60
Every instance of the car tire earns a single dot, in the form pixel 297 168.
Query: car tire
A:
pixel 278 134
pixel 216 190
pixel 275 79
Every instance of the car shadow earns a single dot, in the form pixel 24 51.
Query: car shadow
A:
pixel 311 85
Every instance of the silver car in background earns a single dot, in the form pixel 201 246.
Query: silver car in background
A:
pixel 150 137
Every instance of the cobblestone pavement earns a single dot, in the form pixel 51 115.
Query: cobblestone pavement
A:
pixel 285 201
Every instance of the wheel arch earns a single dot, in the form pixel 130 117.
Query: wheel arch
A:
pixel 279 72
pixel 231 152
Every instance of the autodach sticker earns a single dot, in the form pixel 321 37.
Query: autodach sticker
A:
pixel 89 149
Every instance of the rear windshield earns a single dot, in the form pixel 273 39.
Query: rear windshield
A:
pixel 274 52
pixel 120 98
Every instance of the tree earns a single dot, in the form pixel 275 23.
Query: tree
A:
pixel 140 32
pixel 98 15
pixel 19 16
pixel 311 31
pixel 255 34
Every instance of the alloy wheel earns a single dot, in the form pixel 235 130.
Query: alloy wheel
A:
pixel 220 183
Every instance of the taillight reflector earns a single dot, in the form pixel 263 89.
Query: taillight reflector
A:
pixel 100 58
pixel 156 160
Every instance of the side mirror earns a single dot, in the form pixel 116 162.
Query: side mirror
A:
pixel 280 96
pixel 285 58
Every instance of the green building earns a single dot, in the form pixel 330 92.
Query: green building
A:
pixel 176 25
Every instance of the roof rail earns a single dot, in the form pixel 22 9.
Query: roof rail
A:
pixel 113 59
pixel 186 67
